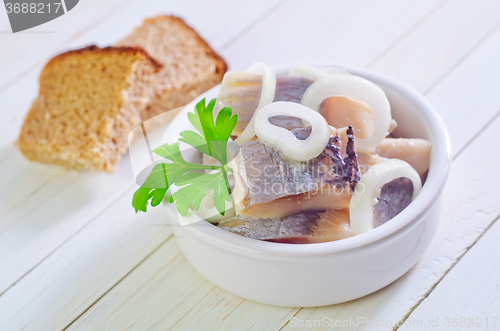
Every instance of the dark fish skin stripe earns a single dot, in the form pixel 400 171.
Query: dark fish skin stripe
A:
pixel 394 197
pixel 351 161
pixel 296 228
pixel 302 133
pixel 287 122
pixel 290 88
pixel 348 166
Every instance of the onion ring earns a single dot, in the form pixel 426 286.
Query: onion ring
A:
pixel 357 89
pixel 365 194
pixel 284 140
pixel 266 97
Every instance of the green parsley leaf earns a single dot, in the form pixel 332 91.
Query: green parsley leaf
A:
pixel 212 135
pixel 211 139
pixel 196 186
pixel 151 189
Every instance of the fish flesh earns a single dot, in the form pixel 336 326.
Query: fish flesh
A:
pixel 321 226
pixel 241 91
pixel 417 152
pixel 341 111
pixel 301 228
pixel 269 185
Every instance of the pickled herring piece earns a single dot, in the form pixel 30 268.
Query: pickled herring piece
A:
pixel 241 91
pixel 301 228
pixel 269 185
pixel 417 152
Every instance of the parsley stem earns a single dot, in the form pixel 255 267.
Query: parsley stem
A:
pixel 226 168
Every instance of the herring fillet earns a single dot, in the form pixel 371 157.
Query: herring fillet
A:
pixel 321 226
pixel 417 152
pixel 394 197
pixel 269 185
pixel 241 91
pixel 301 228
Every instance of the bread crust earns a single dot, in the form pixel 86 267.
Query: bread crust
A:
pixel 220 62
pixel 157 35
pixel 139 51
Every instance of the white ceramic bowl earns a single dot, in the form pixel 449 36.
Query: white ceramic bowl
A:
pixel 327 273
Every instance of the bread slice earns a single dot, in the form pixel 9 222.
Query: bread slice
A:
pixel 89 101
pixel 190 66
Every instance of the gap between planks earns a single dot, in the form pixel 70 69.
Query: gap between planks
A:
pixel 442 77
pixel 7 85
pixel 254 23
pixel 464 57
pixel 246 30
pixel 402 321
pixel 45 183
pixel 32 68
pixel 478 133
pixel 71 237
pixel 418 23
pixel 299 309
pixel 119 281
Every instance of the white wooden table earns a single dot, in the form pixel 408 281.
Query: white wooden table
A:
pixel 74 255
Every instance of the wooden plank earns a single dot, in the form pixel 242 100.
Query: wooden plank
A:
pixel 412 287
pixel 71 279
pixel 28 48
pixel 393 302
pixel 429 52
pixel 16 100
pixel 467 298
pixel 477 78
pixel 39 224
pixel 50 206
pixel 259 310
pixel 173 277
pixel 272 317
pixel 352 32
pixel 34 189
pixel 470 206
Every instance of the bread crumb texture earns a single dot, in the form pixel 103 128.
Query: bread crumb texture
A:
pixel 89 100
pixel 190 66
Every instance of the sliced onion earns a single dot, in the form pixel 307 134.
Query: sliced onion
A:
pixel 315 73
pixel 357 89
pixel 366 193
pixel 266 97
pixel 284 140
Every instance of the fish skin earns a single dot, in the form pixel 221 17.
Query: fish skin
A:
pixel 301 228
pixel 286 122
pixel 291 88
pixel 393 198
pixel 316 226
pixel 348 166
pixel 296 228
pixel 271 185
pixel 241 91
pixel 293 124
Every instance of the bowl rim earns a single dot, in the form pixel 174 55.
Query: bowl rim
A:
pixel 434 185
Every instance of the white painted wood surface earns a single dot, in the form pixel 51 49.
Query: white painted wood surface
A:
pixel 74 255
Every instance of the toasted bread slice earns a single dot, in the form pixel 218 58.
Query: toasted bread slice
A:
pixel 89 101
pixel 190 66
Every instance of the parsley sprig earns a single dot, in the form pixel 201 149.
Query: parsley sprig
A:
pixel 195 180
